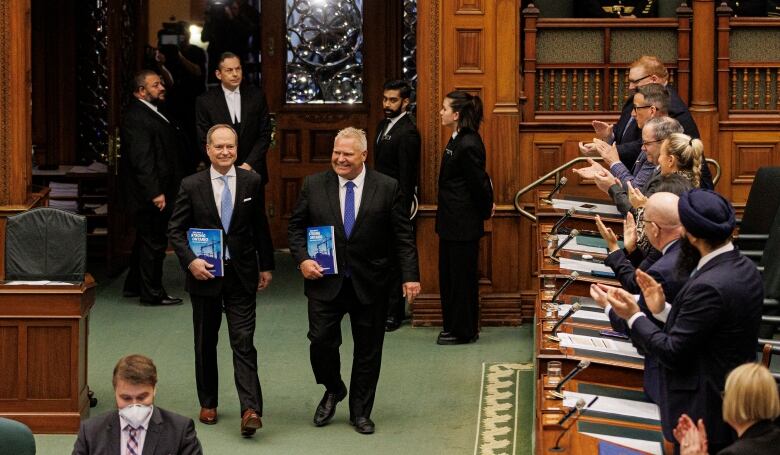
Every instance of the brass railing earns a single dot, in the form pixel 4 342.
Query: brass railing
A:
pixel 557 173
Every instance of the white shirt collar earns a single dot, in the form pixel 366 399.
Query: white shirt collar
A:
pixel 229 92
pixel 144 424
pixel 709 256
pixel 358 181
pixel 455 134
pixel 216 175
pixel 393 121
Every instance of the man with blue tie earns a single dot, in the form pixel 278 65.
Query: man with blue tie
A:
pixel 371 229
pixel 229 198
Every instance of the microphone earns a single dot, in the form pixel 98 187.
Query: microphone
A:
pixel 572 278
pixel 557 225
pixel 579 409
pixel 579 406
pixel 557 394
pixel 554 335
pixel 554 254
pixel 561 183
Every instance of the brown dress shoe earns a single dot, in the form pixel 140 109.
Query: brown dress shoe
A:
pixel 208 416
pixel 250 422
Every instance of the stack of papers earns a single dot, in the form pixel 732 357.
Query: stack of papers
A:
pixel 587 343
pixel 583 266
pixel 615 406
pixel 587 207
pixel 573 245
pixel 70 206
pixel 63 189
pixel 585 314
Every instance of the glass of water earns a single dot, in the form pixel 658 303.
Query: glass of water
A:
pixel 553 373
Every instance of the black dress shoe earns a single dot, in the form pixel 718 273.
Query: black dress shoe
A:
pixel 327 407
pixel 165 301
pixel 363 425
pixel 392 324
pixel 452 340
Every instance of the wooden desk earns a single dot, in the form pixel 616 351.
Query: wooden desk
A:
pixel 43 354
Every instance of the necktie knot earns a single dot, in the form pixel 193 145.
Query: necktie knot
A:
pixel 351 185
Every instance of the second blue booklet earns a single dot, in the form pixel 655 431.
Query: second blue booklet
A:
pixel 321 247
pixel 207 245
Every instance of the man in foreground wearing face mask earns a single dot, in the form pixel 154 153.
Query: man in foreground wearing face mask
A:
pixel 712 325
pixel 137 426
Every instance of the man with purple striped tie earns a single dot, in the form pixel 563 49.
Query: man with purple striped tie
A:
pixel 137 426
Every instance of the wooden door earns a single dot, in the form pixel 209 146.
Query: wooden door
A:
pixel 304 133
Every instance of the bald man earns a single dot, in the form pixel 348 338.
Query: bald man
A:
pixel 663 230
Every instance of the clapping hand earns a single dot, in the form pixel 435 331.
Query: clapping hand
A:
pixel 604 180
pixel 629 233
pixel 590 171
pixel 608 235
pixel 598 292
pixel 623 303
pixel 692 438
pixel 607 151
pixel 603 130
pixel 636 197
pixel 652 291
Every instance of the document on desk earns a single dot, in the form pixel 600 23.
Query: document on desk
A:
pixel 641 445
pixel 577 247
pixel 585 313
pixel 642 410
pixel 587 207
pixel 583 266
pixel 38 283
pixel 588 343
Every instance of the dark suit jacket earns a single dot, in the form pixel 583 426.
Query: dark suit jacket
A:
pixel 382 232
pixel 762 438
pixel 397 154
pixel 168 433
pixel 465 190
pixel 711 329
pixel 664 271
pixel 153 150
pixel 249 239
pixel 254 133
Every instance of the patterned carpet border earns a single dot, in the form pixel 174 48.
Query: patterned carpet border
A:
pixel 500 407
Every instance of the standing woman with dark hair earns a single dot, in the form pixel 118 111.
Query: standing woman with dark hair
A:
pixel 465 200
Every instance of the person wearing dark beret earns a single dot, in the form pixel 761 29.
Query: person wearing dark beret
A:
pixel 710 328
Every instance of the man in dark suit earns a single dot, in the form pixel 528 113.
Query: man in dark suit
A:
pixel 663 230
pixel 153 149
pixel 230 199
pixel 397 154
pixel 626 134
pixel 371 230
pixel 137 426
pixel 244 108
pixel 712 325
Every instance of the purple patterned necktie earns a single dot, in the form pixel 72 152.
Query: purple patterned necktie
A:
pixel 132 442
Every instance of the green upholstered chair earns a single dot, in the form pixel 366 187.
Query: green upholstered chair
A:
pixel 16 438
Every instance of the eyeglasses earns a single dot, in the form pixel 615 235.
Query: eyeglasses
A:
pixel 636 81
pixel 646 143
pixel 636 108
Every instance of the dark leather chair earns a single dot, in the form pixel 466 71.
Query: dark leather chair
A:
pixel 16 438
pixel 760 210
pixel 46 244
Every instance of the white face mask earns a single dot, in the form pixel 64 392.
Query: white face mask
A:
pixel 135 414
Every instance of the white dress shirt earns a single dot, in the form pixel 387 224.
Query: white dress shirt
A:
pixel 154 108
pixel 392 123
pixel 358 181
pixel 233 98
pixel 217 186
pixel 140 436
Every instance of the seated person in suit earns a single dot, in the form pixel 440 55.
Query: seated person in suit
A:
pixel 750 404
pixel 137 426
pixel 712 325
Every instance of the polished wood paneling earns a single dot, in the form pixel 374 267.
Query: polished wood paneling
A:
pixel 9 353
pixel 49 356
pixel 469 7
pixel 469 51
pixel 321 147
pixel 290 147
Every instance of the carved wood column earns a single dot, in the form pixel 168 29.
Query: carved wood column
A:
pixel 703 106
pixel 15 114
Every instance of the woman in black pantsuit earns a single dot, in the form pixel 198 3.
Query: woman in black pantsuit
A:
pixel 465 200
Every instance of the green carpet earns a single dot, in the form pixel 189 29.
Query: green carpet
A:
pixel 428 399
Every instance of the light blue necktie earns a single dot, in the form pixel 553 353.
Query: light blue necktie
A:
pixel 349 209
pixel 226 208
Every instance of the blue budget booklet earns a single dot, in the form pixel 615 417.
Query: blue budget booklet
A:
pixel 321 247
pixel 207 245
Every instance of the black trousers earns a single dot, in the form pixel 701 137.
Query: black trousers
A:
pixel 206 319
pixel 396 302
pixel 368 332
pixel 459 286
pixel 146 260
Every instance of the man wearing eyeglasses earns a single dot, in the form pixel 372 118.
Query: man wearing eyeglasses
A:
pixel 626 133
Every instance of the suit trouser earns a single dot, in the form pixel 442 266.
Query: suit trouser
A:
pixel 368 333
pixel 396 304
pixel 206 319
pixel 459 286
pixel 146 261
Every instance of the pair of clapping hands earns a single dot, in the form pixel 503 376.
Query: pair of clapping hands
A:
pixel 623 303
pixel 604 180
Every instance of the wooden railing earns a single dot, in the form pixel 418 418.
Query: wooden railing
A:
pixel 559 88
pixel 746 87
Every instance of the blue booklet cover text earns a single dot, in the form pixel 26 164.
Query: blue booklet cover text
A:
pixel 321 246
pixel 207 245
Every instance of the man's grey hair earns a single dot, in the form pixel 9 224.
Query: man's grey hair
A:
pixel 354 133
pixel 663 127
